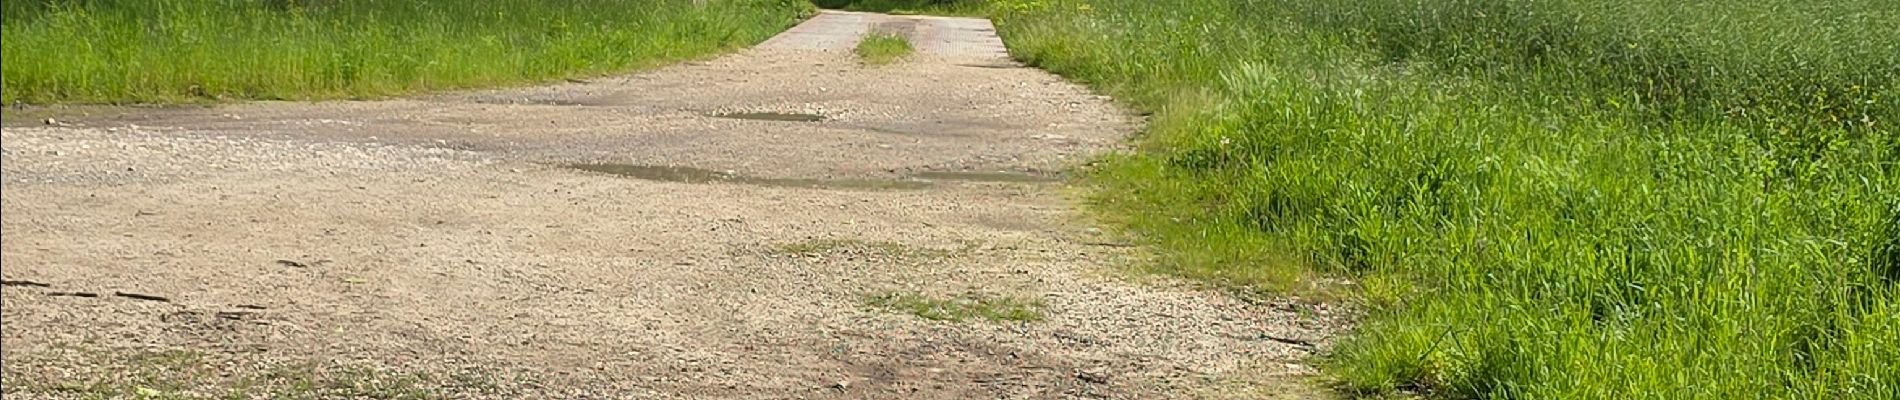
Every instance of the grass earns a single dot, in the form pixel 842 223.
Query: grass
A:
pixel 890 249
pixel 136 51
pixel 881 48
pixel 1554 199
pixel 74 372
pixel 960 308
pixel 881 248
pixel 816 246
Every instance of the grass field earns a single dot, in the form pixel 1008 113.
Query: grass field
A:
pixel 882 48
pixel 116 51
pixel 1555 199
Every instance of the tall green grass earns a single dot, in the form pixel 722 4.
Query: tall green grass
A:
pixel 189 50
pixel 1551 199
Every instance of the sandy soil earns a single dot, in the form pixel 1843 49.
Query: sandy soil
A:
pixel 443 246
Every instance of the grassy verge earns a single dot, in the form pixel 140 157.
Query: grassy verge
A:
pixel 932 7
pixel 1561 199
pixel 879 48
pixel 116 51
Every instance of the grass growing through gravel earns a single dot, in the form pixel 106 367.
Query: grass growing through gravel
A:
pixel 117 51
pixel 1554 199
pixel 892 249
pixel 960 308
pixel 139 374
pixel 880 48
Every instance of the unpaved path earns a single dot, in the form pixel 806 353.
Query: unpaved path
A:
pixel 443 245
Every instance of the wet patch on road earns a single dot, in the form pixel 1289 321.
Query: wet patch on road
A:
pixel 903 27
pixel 20 116
pixel 986 176
pixel 668 173
pixel 773 116
pixel 538 102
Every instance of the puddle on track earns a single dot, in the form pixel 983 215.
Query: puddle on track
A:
pixel 904 28
pixel 982 176
pixel 538 102
pixel 666 173
pixel 773 116
pixel 85 115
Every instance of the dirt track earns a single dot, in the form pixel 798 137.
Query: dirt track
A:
pixel 445 244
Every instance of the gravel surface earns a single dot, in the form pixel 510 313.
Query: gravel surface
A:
pixel 440 246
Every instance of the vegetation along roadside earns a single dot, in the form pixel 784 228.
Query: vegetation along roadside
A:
pixel 1561 199
pixel 136 51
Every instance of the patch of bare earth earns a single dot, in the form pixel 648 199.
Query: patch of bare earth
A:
pixel 443 246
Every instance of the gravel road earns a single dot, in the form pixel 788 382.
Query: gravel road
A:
pixel 613 238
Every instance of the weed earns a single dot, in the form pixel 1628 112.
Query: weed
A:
pixel 883 248
pixel 957 309
pixel 878 48
pixel 815 246
pixel 180 374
